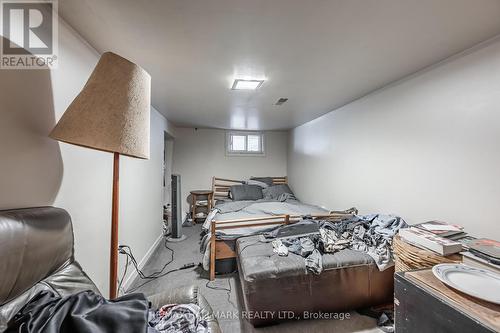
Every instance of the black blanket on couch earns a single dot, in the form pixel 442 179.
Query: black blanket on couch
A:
pixel 84 312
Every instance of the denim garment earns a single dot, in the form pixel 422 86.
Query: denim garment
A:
pixel 304 247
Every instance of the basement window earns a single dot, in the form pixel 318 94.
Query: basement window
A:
pixel 245 143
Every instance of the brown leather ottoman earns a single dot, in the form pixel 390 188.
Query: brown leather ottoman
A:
pixel 274 287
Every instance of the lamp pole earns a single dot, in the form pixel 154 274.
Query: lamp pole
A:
pixel 113 262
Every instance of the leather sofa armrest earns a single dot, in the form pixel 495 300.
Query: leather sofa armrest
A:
pixel 184 295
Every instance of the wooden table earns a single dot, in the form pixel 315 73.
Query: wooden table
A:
pixel 425 304
pixel 195 206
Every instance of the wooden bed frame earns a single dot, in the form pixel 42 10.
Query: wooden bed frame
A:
pixel 220 249
pixel 221 186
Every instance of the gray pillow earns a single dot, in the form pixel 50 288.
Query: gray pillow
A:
pixel 267 180
pixel 245 192
pixel 273 192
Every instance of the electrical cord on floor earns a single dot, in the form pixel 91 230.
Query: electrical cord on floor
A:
pixel 123 276
pixel 172 252
pixel 186 266
pixel 125 249
pixel 229 290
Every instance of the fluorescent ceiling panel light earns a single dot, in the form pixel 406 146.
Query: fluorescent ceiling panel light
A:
pixel 240 84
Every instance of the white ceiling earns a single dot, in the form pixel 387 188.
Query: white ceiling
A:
pixel 319 54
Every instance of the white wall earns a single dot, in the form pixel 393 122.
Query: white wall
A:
pixel 200 154
pixel 37 171
pixel 424 148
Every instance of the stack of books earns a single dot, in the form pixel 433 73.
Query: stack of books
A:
pixel 437 236
pixel 429 241
pixel 483 253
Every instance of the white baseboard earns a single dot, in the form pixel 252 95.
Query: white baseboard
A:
pixel 133 275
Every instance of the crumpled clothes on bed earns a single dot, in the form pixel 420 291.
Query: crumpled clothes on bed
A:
pixel 314 262
pixel 332 242
pixel 279 248
pixel 178 318
pixel 304 247
pixel 375 237
pixel 371 234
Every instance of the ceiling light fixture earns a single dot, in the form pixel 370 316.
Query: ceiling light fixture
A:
pixel 241 84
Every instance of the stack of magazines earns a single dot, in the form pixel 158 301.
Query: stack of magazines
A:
pixel 443 229
pixel 483 253
pixel 437 236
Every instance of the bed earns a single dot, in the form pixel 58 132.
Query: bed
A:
pixel 346 264
pixel 231 220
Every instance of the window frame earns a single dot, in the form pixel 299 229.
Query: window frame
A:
pixel 245 152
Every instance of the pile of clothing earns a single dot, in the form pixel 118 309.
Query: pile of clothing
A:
pixel 86 311
pixel 306 247
pixel 177 318
pixel 371 234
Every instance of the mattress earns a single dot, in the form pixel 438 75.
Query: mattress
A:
pixel 250 209
pixel 275 284
pixel 258 208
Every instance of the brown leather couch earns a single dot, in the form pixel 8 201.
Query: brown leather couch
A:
pixel 36 253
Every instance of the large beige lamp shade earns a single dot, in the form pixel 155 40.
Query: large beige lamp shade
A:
pixel 111 114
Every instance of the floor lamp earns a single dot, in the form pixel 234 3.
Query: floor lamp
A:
pixel 111 114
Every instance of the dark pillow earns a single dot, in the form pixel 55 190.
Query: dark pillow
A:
pixel 245 192
pixel 273 192
pixel 266 180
